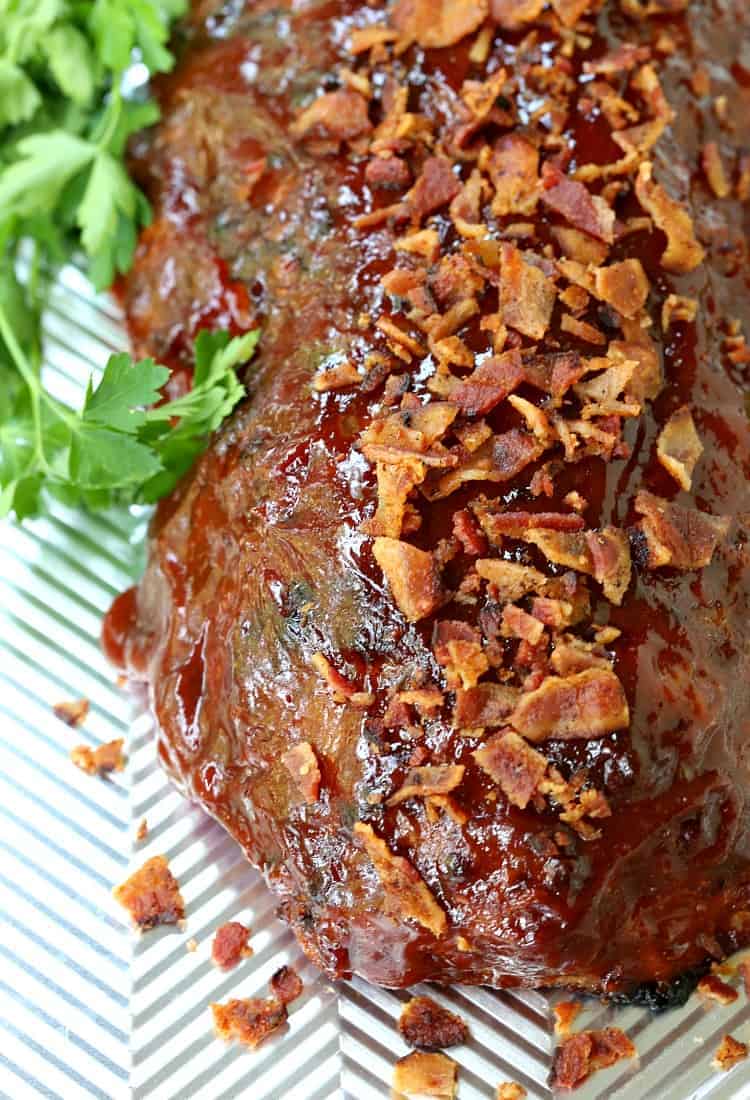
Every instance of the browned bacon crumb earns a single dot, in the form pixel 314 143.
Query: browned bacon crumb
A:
pixel 584 704
pixel 565 1013
pixel 405 890
pixel 412 576
pixel 682 537
pixel 679 447
pixel 285 985
pixel 191 946
pixel 106 758
pixel 230 945
pixel 423 1074
pixel 72 712
pixel 152 895
pixel 744 969
pixel 513 765
pixel 511 1090
pixel 729 1052
pixel 577 1057
pixel 142 830
pixel 428 780
pixel 426 1025
pixel 248 1021
pixel 715 989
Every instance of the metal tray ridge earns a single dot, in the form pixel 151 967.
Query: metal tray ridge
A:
pixel 89 1010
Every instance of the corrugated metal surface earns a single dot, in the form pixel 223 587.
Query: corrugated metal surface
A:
pixel 88 1010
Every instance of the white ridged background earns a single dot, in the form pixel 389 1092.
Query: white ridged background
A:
pixel 89 1010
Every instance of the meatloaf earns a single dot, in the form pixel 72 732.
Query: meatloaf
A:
pixel 449 626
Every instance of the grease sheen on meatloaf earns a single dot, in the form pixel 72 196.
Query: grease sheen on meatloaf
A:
pixel 436 629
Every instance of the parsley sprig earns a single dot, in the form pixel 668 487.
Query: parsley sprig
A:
pixel 65 193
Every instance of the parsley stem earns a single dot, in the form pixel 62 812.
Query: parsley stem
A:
pixel 32 382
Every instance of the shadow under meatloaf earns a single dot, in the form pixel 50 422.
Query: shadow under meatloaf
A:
pixel 264 623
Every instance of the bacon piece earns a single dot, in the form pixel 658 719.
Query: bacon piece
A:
pixel 587 704
pixel 426 1025
pixel 582 330
pixel 73 712
pixel 248 1021
pixel 566 1013
pixel 623 285
pixel 409 434
pixel 575 655
pixel 387 174
pixel 423 1074
pixel 517 623
pixel 485 705
pixel 554 372
pixel 713 988
pixel 412 575
pixel 682 537
pixel 514 14
pixel 406 892
pixel 467 532
pixel 488 384
pixel 364 38
pixel 336 377
pixel 715 171
pixel 286 985
pixel 435 187
pixel 395 483
pixel 513 168
pixel 527 295
pixel 427 700
pixel 340 115
pixel 302 764
pixel 511 1090
pixel 99 761
pixel 579 246
pixel 438 23
pixel 427 780
pixel 512 451
pixel 513 765
pixel 510 581
pixel 647 379
pixel 570 11
pixel 497 524
pixel 620 60
pixel 677 307
pixel 679 447
pixel 587 1051
pixel 683 252
pixel 152 895
pixel 610 558
pixel 230 945
pixel 576 204
pixel 729 1052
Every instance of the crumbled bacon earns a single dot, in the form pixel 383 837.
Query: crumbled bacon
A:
pixel 683 252
pixel 467 532
pixel 423 1074
pixel 582 330
pixel 511 1090
pixel 554 372
pixel 586 704
pixel 485 705
pixel 712 987
pixel 410 433
pixel 427 780
pixel 570 11
pixel 587 1051
pixel 610 557
pixel 729 1052
pixel 412 576
pixel 677 307
pixel 230 945
pixel 682 537
pixel 302 764
pixel 623 285
pixel 513 168
pixel 512 451
pixel 489 384
pixel 579 246
pixel 514 14
pixel 285 985
pixel 565 1014
pixel 513 765
pixel 406 892
pixel 679 447
pixel 395 484
pixel 438 23
pixel 340 115
pixel 73 712
pixel 152 895
pixel 248 1021
pixel 336 377
pixel 426 1025
pixel 574 202
pixel 99 761
pixel 517 623
pixel 513 524
pixel 435 187
pixel 527 295
pixel 620 60
pixel 715 171
pixel 387 174
pixel 508 580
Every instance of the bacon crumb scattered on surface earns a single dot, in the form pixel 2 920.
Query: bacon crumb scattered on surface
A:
pixel 679 536
pixel 513 765
pixel 714 988
pixel 230 945
pixel 191 946
pixel 716 173
pixel 152 895
pixel 425 1074
pixel 142 830
pixel 428 780
pixel 511 1090
pixel 286 985
pixel 683 252
pixel 744 969
pixel 577 1057
pixel 249 1020
pixel 679 447
pixel 412 576
pixel 426 1025
pixel 585 704
pixel 302 764
pixel 565 1013
pixel 72 712
pixel 406 892
pixel 100 761
pixel 729 1052
pixel 337 115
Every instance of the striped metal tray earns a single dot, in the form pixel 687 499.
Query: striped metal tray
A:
pixel 89 1010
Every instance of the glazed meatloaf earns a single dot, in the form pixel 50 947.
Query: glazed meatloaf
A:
pixel 449 627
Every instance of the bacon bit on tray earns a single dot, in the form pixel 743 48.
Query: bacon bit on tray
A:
pixel 513 167
pixel 623 285
pixel 336 377
pixel 511 1090
pixel 713 988
pixel 72 712
pixel 230 945
pixel 428 780
pixel 426 1025
pixel 715 171
pixel 729 1052
pixel 152 895
pixel 438 23
pixel 513 765
pixel 582 1054
pixel 191 946
pixel 679 447
pixel 610 558
pixel 484 705
pixel 496 524
pixel 678 308
pixel 412 575
pixel 527 295
pixel 248 1021
pixel 683 252
pixel 682 537
pixel 405 891
pixel 423 1074
pixel 565 1013
pixel 142 830
pixel 514 14
pixel 744 968
pixel 489 384
pixel 509 580
pixel 435 187
pixel 340 115
pixel 302 764
pixel 106 758
pixel 586 704
pixel 286 985
pixel 572 200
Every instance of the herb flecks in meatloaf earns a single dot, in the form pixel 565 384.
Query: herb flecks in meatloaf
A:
pixel 447 627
